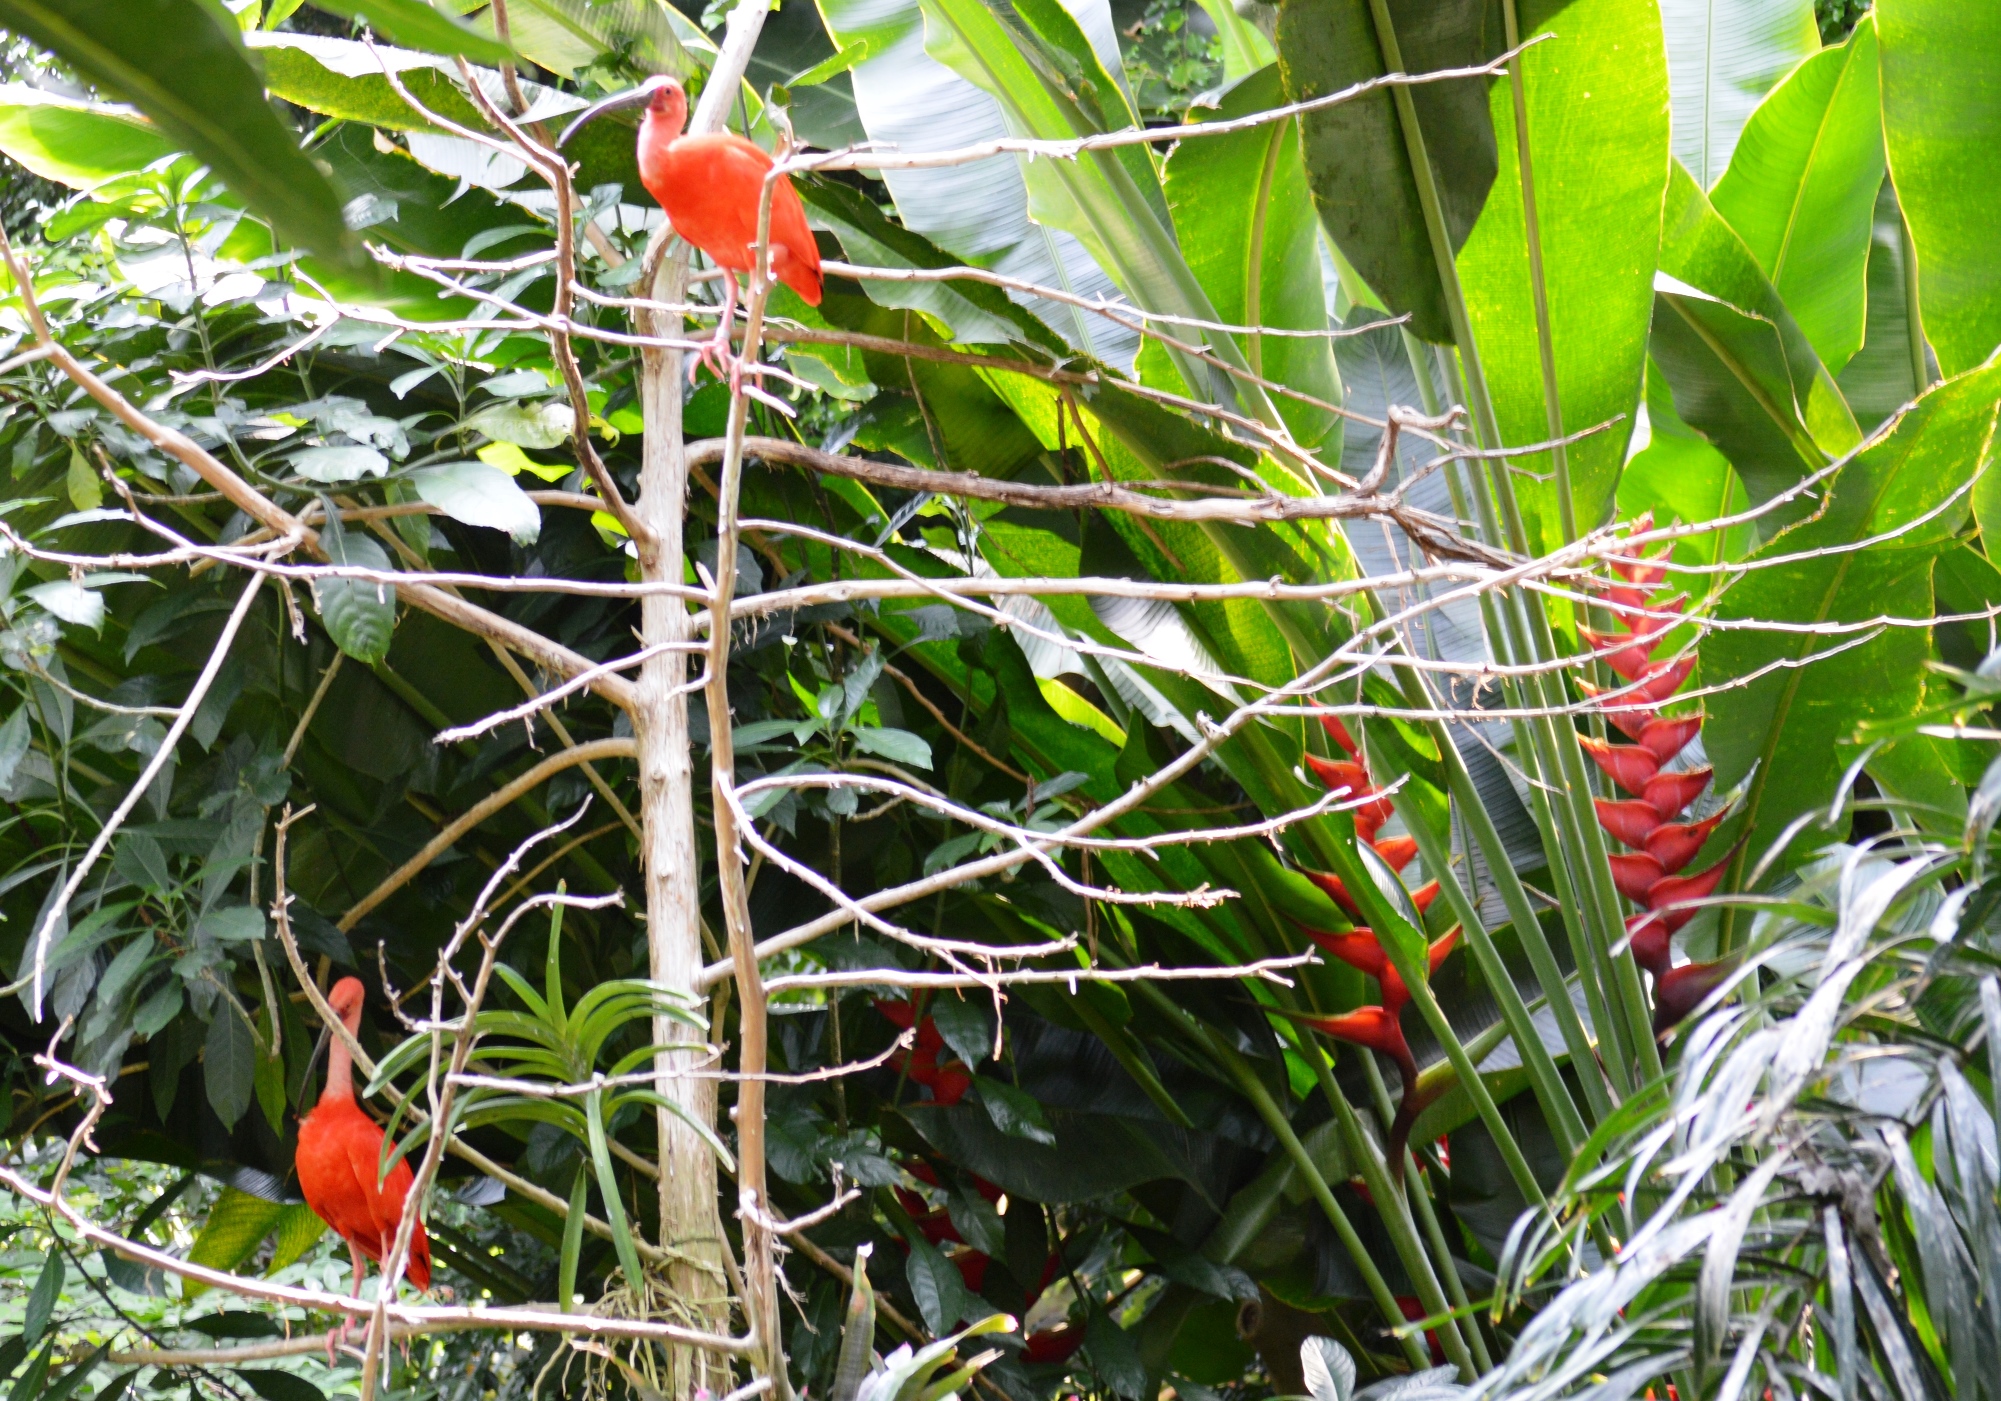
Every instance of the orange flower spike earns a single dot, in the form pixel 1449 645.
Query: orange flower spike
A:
pixel 1336 890
pixel 1370 817
pixel 1669 793
pixel 1358 948
pixel 1675 844
pixel 1631 820
pixel 1628 765
pixel 1397 852
pixel 1665 738
pixel 1442 947
pixel 1635 872
pixel 1373 1027
pixel 1339 775
pixel 1332 724
pixel 1425 895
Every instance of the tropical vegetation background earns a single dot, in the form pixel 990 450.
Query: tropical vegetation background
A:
pixel 1353 749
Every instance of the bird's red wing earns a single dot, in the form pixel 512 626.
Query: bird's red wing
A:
pixel 327 1176
pixel 712 185
pixel 385 1202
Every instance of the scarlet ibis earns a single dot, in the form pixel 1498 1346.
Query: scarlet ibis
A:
pixel 339 1161
pixel 710 186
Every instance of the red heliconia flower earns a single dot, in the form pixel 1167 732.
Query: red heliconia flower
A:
pixel 1667 737
pixel 1374 1027
pixel 1053 1344
pixel 1629 655
pixel 1631 820
pixel 1332 724
pixel 1634 872
pixel 1651 940
pixel 1627 765
pixel 947 1082
pixel 1340 775
pixel 1397 852
pixel 1675 844
pixel 1676 890
pixel 1679 991
pixel 1647 875
pixel 1337 891
pixel 1669 793
pixel 1362 951
pixel 1630 722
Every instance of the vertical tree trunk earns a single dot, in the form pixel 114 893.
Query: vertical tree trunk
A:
pixel 688 1222
pixel 690 1225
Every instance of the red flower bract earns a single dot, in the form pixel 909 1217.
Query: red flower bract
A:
pixel 1647 875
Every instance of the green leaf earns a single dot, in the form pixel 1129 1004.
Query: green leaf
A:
pixel 42 1299
pixel 1247 228
pixel 966 1023
pixel 339 464
pixel 1723 56
pixel 1743 374
pixel 416 25
pixel 237 1222
pixel 29 1386
pixel 236 924
pixel 1801 190
pixel 72 602
pixel 273 1385
pixel 1014 1112
pixel 1881 378
pixel 1598 131
pixel 935 1282
pixel 75 143
pixel 1051 83
pixel 183 63
pixel 65 1387
pixel 15 737
pixel 478 494
pixel 1943 129
pixel 542 425
pixel 897 746
pixel 86 492
pixel 1795 724
pixel 360 615
pixel 297 1228
pixel 978 212
pixel 1115 1355
pixel 1355 154
pixel 229 1064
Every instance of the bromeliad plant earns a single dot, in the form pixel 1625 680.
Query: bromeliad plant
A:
pixel 542 1063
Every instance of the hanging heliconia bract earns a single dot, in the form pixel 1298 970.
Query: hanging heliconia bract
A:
pixel 1650 873
pixel 1379 1027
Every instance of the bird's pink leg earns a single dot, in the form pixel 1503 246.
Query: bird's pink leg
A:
pixel 337 1337
pixel 717 354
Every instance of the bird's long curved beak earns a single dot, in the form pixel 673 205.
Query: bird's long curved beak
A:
pixel 312 1064
pixel 632 97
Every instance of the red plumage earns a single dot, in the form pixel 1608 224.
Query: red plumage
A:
pixel 710 186
pixel 339 1158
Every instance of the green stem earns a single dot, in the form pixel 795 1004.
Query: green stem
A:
pixel 1455 1288
pixel 1254 1090
pixel 1558 1107
pixel 1538 286
pixel 1392 1206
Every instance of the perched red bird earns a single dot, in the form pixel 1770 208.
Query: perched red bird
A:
pixel 339 1161
pixel 710 186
